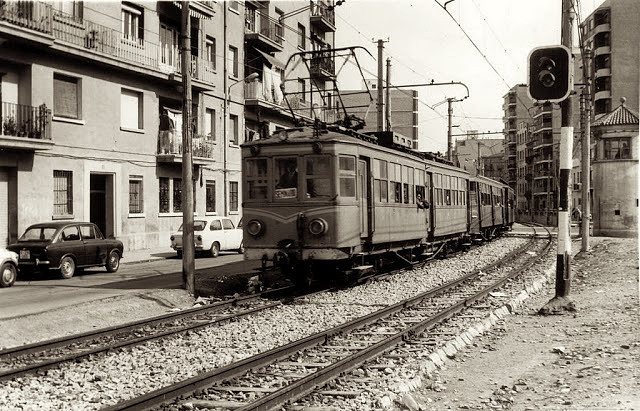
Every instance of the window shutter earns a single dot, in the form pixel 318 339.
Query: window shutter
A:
pixel 65 96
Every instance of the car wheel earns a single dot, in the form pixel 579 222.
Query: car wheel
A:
pixel 67 267
pixel 179 253
pixel 215 250
pixel 113 262
pixel 241 249
pixel 8 275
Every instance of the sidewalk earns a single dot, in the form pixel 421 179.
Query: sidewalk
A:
pixel 146 255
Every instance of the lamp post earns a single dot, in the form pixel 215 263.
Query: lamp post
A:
pixel 227 114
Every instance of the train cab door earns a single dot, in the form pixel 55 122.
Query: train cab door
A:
pixel 365 205
pixel 429 212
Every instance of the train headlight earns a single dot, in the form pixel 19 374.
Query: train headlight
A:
pixel 255 227
pixel 317 226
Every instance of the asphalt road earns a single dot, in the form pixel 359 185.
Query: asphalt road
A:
pixel 37 295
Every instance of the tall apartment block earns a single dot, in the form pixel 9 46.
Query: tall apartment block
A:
pixel 612 33
pixel 91 123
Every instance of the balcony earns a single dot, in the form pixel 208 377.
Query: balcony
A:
pixel 321 66
pixel 602 50
pixel 25 127
pixel 27 14
pixel 512 100
pixel 539 159
pixel 542 174
pixel 98 41
pixel 170 148
pixel 603 72
pixel 323 18
pixel 256 94
pixel 603 27
pixel 600 95
pixel 264 33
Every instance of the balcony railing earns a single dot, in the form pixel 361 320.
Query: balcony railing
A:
pixel 170 143
pixel 19 120
pixel 100 39
pixel 27 13
pixel 322 11
pixel 321 66
pixel 256 23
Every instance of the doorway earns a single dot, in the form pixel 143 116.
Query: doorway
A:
pixel 101 204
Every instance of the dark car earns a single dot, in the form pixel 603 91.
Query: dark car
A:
pixel 66 246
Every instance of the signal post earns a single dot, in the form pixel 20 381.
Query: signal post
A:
pixel 550 79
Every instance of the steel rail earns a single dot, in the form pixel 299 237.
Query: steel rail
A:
pixel 190 385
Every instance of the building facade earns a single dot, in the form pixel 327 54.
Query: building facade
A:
pixel 91 111
pixel 516 107
pixel 477 156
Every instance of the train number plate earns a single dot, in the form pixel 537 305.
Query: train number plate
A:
pixel 25 254
pixel 286 193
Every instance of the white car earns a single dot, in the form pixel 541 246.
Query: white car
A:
pixel 8 267
pixel 211 234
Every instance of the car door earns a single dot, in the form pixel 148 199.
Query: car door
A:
pixel 71 243
pixel 230 234
pixel 94 247
pixel 215 233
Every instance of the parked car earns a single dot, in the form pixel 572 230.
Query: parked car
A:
pixel 211 234
pixel 8 267
pixel 66 246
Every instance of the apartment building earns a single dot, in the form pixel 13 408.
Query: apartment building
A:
pixel 478 156
pixel 91 111
pixel 516 107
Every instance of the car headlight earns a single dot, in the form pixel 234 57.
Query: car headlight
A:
pixel 317 226
pixel 199 238
pixel 255 227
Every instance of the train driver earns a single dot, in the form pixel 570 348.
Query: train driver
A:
pixel 290 177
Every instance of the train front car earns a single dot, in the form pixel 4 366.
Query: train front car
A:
pixel 300 204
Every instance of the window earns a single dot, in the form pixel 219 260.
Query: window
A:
pixel 233 196
pixel 381 185
pixel 420 190
pixel 210 52
pixel 62 192
pixel 210 124
pixel 256 178
pixel 395 182
pixel 302 36
pixel 67 100
pixel 131 112
pixel 233 119
pixel 227 224
pixel 177 195
pixel 302 89
pixel 169 44
pixel 70 234
pixel 233 56
pixel 163 189
pixel 286 178
pixel 407 179
pixel 211 196
pixel 87 231
pixel 279 26
pixel 347 168
pixel 135 195
pixel 68 9
pixel 617 148
pixel 132 23
pixel 234 5
pixel 317 174
pixel 215 225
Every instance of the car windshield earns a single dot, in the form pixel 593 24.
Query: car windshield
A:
pixel 198 225
pixel 38 234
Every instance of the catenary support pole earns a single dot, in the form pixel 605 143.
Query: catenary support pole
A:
pixel 586 155
pixel 388 98
pixel 380 104
pixel 449 115
pixel 188 247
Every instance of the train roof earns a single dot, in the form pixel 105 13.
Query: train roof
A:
pixel 335 133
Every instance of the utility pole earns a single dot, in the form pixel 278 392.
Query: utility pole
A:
pixel 388 105
pixel 380 104
pixel 188 247
pixel 449 115
pixel 586 153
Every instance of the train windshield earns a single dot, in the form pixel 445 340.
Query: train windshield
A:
pixel 318 177
pixel 286 178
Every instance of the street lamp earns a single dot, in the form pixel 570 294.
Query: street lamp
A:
pixel 225 143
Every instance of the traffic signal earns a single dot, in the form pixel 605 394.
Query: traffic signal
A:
pixel 550 73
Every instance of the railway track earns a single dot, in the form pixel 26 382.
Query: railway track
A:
pixel 20 360
pixel 276 377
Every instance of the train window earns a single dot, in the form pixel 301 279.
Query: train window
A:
pixel 407 174
pixel 447 196
pixel 318 181
pixel 256 178
pixel 395 182
pixel 286 178
pixel 347 166
pixel 380 181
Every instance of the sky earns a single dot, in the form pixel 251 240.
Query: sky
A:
pixel 424 43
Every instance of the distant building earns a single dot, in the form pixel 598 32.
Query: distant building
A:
pixel 403 109
pixel 612 32
pixel 615 174
pixel 494 166
pixel 472 153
